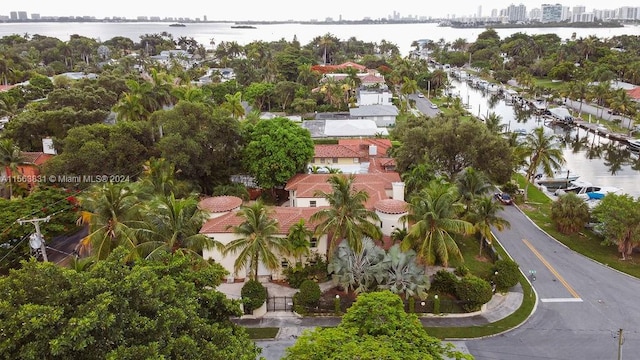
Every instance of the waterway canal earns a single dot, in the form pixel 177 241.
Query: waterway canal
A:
pixel 596 159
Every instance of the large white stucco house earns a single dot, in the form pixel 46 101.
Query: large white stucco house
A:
pixel 386 198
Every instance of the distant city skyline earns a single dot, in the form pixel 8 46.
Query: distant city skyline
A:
pixel 280 10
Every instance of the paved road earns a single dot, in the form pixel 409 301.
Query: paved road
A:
pixel 582 303
pixel 424 105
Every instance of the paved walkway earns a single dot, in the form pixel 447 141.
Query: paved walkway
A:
pixel 292 325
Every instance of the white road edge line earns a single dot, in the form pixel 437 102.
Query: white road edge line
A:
pixel 557 300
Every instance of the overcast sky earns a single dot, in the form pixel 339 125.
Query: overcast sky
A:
pixel 277 9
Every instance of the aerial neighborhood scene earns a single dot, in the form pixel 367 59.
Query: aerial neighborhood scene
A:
pixel 466 186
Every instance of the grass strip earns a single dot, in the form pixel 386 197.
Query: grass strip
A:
pixel 262 333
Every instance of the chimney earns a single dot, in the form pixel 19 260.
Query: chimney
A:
pixel 373 150
pixel 398 191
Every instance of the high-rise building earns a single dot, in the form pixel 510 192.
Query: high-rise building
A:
pixel 566 13
pixel 576 13
pixel 14 15
pixel 35 16
pixel 22 15
pixel 535 14
pixel 479 11
pixel 517 13
pixel 551 13
pixel 494 13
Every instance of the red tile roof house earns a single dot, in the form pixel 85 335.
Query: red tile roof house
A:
pixel 29 169
pixel 353 156
pixel 386 198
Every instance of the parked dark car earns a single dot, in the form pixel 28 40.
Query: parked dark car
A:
pixel 504 198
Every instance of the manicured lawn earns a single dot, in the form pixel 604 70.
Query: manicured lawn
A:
pixel 262 333
pixel 548 83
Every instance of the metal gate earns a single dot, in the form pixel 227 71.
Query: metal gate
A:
pixel 280 303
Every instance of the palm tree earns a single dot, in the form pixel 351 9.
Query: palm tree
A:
pixel 346 218
pixel 494 123
pixel 433 220
pixel 258 242
pixel 542 152
pixel 112 212
pixel 158 177
pixel 10 158
pixel 400 273
pixel 298 240
pixel 471 184
pixel 570 213
pixel 484 217
pixel 173 225
pixel 233 103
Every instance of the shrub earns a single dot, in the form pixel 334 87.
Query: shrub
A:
pixel 296 275
pixel 444 282
pixel 510 188
pixel 308 296
pixel 254 294
pixel 507 274
pixel 315 269
pixel 474 291
pixel 462 271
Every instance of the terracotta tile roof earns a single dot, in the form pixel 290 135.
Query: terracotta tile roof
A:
pixel 285 216
pixel 332 68
pixel 218 204
pixel 383 145
pixel 634 93
pixel 36 158
pixel 337 151
pixel 6 87
pixel 372 79
pixel 376 185
pixel 391 206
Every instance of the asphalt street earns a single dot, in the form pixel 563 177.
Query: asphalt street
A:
pixel 582 304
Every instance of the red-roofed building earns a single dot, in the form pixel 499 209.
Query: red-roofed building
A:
pixel 28 169
pixel 386 198
pixel 324 69
pixel 220 228
pixel 353 156
pixel 634 93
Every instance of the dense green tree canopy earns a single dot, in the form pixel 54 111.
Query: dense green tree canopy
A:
pixel 119 310
pixel 100 149
pixel 620 221
pixel 203 145
pixel 276 150
pixel 375 327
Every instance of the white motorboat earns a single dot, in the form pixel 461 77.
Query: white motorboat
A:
pixel 559 179
pixel 588 191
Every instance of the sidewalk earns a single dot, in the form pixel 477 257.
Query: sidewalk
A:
pixel 292 325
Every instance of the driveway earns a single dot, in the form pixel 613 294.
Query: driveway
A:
pixel 582 304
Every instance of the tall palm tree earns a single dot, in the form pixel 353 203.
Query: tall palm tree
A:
pixel 346 218
pixel 484 216
pixel 258 242
pixel 433 221
pixel 173 225
pixel 112 212
pixel 10 158
pixel 471 184
pixel 543 152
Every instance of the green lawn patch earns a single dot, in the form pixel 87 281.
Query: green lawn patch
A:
pixel 548 83
pixel 262 333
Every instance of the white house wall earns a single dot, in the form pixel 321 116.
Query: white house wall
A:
pixel 228 261
pixel 389 222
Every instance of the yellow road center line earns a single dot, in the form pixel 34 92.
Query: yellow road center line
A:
pixel 553 271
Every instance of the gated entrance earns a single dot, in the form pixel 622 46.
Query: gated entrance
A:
pixel 280 303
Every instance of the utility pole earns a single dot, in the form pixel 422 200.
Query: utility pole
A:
pixel 36 223
pixel 620 342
